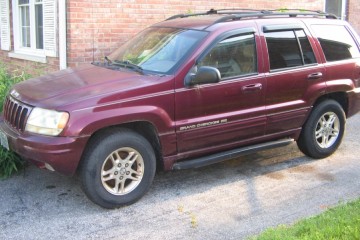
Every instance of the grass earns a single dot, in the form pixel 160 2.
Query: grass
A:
pixel 341 222
pixel 9 161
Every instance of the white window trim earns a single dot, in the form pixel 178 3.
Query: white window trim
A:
pixel 50 29
pixel 28 57
pixel 22 51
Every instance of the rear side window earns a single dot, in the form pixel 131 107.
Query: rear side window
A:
pixel 290 48
pixel 336 42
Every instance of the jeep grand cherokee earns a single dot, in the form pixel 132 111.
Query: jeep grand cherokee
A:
pixel 190 91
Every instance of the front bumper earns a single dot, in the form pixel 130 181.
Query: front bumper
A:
pixel 63 154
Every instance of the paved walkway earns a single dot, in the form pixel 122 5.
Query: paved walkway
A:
pixel 231 200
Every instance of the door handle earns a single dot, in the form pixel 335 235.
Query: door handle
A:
pixel 252 88
pixel 315 75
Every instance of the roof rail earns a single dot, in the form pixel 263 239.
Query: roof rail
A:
pixel 239 13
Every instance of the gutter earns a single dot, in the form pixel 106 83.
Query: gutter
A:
pixel 62 35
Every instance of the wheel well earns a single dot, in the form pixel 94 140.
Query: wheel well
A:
pixel 339 97
pixel 145 129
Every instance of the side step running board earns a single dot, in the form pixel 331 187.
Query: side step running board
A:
pixel 223 156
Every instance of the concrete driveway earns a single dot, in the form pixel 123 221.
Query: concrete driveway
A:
pixel 231 200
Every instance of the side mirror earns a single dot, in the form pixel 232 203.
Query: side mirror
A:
pixel 205 74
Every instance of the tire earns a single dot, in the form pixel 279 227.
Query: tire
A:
pixel 117 168
pixel 323 131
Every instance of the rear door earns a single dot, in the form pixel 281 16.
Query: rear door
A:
pixel 222 115
pixel 294 76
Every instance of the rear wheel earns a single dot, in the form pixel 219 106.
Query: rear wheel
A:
pixel 323 132
pixel 117 168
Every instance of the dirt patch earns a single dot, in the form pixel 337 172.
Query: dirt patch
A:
pixel 275 175
pixel 303 169
pixel 325 176
pixel 236 162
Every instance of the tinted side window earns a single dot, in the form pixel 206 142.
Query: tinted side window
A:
pixel 336 42
pixel 233 56
pixel 289 49
pixel 307 52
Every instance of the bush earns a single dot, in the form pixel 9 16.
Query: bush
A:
pixel 9 161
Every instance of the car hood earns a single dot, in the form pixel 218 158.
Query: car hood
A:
pixel 74 85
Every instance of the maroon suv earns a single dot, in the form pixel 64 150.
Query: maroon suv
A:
pixel 190 91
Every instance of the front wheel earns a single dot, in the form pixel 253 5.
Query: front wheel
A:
pixel 323 131
pixel 117 168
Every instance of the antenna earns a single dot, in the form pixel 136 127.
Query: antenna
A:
pixel 93 30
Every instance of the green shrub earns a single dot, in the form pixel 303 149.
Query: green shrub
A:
pixel 9 161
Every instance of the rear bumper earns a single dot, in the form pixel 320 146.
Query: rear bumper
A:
pixel 63 154
pixel 354 102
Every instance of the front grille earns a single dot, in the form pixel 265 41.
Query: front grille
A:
pixel 16 113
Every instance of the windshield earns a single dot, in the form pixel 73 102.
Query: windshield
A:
pixel 158 49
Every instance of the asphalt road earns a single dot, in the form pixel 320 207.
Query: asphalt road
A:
pixel 230 200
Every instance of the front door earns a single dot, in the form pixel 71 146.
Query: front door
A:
pixel 223 115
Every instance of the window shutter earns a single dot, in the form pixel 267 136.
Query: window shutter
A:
pixel 5 25
pixel 50 27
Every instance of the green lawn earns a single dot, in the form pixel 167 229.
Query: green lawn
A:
pixel 341 222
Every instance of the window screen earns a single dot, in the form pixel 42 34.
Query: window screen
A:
pixel 31 23
pixel 336 42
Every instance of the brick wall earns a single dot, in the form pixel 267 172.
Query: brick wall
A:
pixel 354 14
pixel 18 66
pixel 97 27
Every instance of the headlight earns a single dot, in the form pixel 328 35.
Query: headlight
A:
pixel 46 122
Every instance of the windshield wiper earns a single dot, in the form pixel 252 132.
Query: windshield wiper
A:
pixel 128 64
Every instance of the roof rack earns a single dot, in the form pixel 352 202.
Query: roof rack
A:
pixel 239 13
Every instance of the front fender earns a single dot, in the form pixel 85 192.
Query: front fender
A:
pixel 88 121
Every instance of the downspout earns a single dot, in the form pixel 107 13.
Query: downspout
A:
pixel 343 10
pixel 62 35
